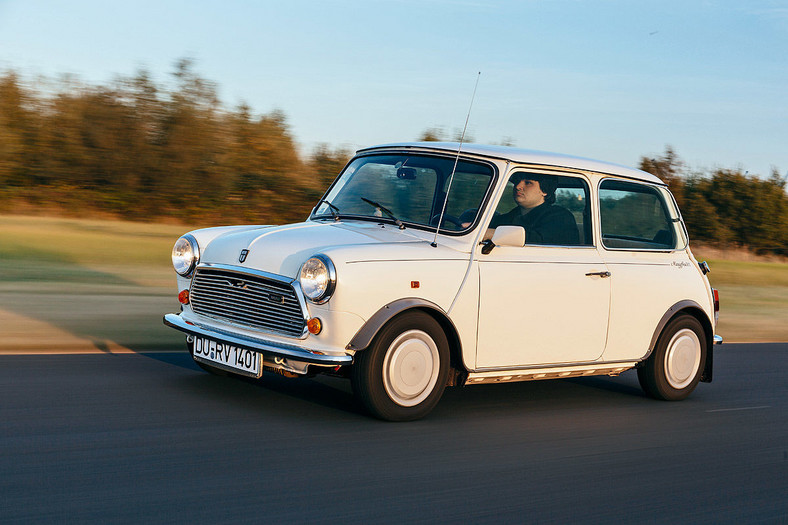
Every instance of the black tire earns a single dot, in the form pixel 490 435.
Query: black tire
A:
pixel 402 374
pixel 208 368
pixel 675 366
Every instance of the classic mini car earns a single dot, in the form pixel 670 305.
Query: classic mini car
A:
pixel 428 265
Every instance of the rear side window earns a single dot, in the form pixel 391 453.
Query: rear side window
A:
pixel 634 216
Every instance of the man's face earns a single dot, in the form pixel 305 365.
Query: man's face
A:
pixel 528 194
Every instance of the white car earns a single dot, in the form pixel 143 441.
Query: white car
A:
pixel 544 266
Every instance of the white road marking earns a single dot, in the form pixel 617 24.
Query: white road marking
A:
pixel 738 409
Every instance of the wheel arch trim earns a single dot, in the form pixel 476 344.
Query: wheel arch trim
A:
pixel 367 333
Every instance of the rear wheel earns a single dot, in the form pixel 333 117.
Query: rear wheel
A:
pixel 401 376
pixel 674 368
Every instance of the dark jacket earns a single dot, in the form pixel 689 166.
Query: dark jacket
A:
pixel 545 224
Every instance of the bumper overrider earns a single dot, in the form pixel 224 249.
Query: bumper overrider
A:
pixel 269 349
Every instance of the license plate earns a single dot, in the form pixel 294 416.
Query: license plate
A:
pixel 236 359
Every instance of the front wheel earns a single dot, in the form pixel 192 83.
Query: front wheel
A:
pixel 401 376
pixel 674 368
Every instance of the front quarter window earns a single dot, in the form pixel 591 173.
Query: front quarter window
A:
pixel 409 189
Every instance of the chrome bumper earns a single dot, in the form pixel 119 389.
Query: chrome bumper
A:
pixel 717 339
pixel 267 348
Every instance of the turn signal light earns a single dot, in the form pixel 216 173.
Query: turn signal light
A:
pixel 314 325
pixel 183 297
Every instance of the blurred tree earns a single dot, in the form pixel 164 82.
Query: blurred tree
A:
pixel 325 165
pixel 700 215
pixel 432 135
pixel 668 167
pixel 19 134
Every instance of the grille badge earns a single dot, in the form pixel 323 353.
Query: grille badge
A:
pixel 239 284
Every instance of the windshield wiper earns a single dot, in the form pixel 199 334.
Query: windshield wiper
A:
pixel 333 209
pixel 385 210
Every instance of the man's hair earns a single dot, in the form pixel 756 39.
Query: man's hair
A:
pixel 547 183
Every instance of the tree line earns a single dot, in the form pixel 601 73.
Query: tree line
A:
pixel 726 207
pixel 145 151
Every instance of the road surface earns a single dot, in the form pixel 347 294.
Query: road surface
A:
pixel 150 438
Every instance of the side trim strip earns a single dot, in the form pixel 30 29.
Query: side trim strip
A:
pixel 530 374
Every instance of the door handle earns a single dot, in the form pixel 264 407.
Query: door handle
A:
pixel 600 274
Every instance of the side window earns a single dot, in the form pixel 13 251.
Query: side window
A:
pixel 565 194
pixel 634 216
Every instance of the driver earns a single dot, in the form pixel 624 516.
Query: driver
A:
pixel 544 222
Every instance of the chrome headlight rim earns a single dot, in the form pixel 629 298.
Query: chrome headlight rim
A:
pixel 195 257
pixel 331 283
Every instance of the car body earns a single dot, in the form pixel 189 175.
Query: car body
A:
pixel 369 288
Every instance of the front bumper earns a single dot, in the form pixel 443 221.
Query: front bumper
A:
pixel 269 349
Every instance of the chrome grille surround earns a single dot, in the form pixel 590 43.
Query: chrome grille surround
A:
pixel 249 299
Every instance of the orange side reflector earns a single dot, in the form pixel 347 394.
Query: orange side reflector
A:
pixel 314 325
pixel 414 284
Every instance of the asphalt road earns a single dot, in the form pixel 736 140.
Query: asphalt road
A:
pixel 144 438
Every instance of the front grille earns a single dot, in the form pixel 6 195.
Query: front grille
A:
pixel 247 299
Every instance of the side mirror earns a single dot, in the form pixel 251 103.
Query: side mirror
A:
pixel 504 236
pixel 509 236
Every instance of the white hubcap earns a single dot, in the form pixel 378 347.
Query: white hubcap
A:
pixel 410 369
pixel 682 358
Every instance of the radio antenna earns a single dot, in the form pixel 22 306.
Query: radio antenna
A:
pixel 434 242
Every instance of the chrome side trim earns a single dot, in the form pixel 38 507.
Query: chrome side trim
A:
pixel 536 374
pixel 265 347
pixel 557 366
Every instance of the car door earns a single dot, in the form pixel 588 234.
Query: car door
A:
pixel 544 304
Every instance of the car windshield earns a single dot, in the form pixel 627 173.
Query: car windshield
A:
pixel 409 190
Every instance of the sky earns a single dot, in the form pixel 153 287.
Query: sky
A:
pixel 613 80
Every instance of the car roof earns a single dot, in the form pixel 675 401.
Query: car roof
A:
pixel 524 156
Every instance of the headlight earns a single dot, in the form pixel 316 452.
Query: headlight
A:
pixel 185 255
pixel 318 279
